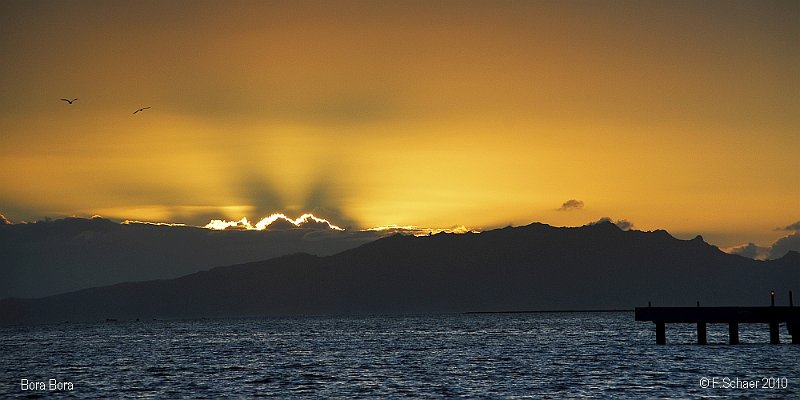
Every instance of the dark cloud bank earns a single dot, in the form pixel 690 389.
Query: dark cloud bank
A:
pixel 778 249
pixel 793 227
pixel 535 267
pixel 751 250
pixel 784 245
pixel 45 258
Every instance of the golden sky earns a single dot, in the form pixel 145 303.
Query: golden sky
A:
pixel 676 115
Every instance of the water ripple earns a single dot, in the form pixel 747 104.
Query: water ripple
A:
pixel 590 355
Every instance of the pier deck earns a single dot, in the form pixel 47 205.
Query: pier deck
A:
pixel 733 316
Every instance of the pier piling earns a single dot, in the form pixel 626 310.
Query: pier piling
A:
pixel 733 332
pixel 701 333
pixel 661 332
pixel 774 332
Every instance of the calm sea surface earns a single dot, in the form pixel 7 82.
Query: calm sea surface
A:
pixel 537 355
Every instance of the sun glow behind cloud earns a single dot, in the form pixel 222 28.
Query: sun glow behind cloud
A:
pixel 421 115
pixel 134 222
pixel 420 231
pixel 304 221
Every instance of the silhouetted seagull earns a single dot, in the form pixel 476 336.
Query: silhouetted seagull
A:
pixel 141 109
pixel 69 101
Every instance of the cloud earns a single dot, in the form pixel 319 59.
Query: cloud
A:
pixel 784 245
pixel 134 222
pixel 623 224
pixel 280 224
pixel 601 221
pixel 4 220
pixel 275 222
pixel 793 227
pixel 98 252
pixel 419 231
pixel 571 205
pixel 316 224
pixel 778 249
pixel 750 250
pixel 306 221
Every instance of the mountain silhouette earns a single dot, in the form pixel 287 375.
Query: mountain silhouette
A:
pixel 534 267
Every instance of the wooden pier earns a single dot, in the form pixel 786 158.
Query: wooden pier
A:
pixel 733 316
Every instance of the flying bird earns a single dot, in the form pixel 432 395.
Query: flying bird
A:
pixel 69 101
pixel 141 109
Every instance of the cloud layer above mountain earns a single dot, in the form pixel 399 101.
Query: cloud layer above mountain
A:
pixel 778 249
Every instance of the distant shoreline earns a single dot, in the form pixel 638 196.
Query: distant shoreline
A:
pixel 547 311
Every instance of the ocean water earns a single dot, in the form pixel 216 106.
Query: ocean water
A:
pixel 531 355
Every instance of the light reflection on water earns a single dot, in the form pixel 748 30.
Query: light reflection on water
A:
pixel 540 355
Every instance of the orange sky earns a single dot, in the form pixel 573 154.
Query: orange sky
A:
pixel 674 115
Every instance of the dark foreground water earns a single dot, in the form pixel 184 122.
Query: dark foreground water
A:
pixel 538 355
